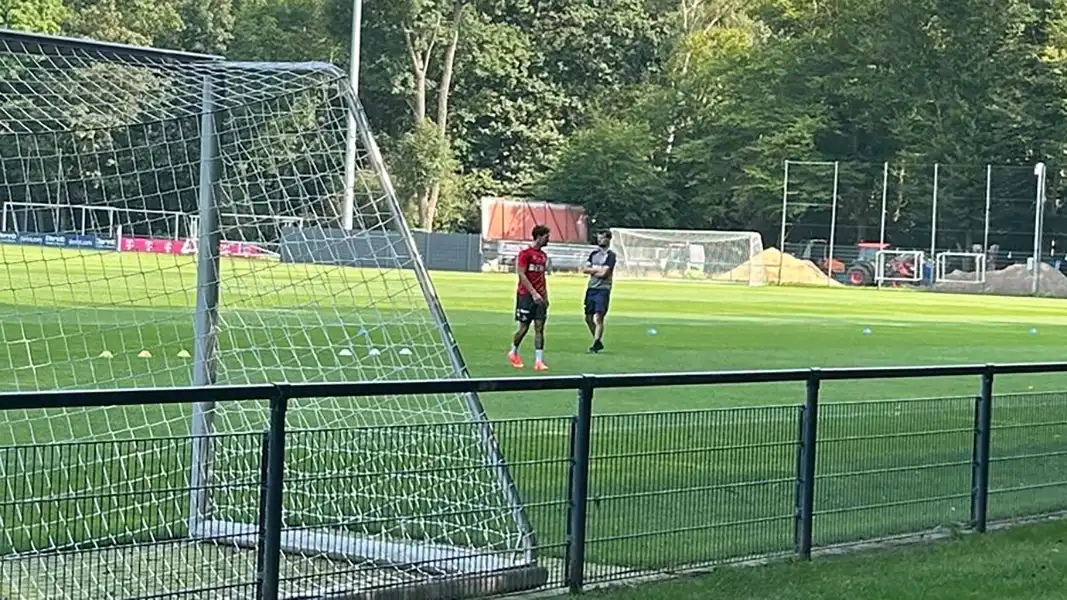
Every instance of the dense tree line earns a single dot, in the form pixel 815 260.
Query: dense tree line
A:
pixel 656 113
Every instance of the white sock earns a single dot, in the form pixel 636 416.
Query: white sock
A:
pixel 540 354
pixel 514 349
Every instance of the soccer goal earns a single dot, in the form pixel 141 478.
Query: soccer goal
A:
pixel 960 267
pixel 721 256
pixel 201 166
pixel 899 266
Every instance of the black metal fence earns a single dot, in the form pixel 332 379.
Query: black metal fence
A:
pixel 612 497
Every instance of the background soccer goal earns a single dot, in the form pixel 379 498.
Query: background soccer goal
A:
pixel 723 256
pixel 243 258
pixel 962 267
pixel 899 266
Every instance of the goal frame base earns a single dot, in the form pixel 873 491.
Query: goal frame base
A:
pixel 478 585
pixel 940 264
pixel 446 569
pixel 319 541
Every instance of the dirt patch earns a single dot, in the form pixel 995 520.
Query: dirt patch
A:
pixel 779 268
pixel 1015 280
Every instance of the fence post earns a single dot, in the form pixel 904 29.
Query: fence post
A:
pixel 572 461
pixel 272 522
pixel 983 420
pixel 806 474
pixel 798 490
pixel 261 546
pixel 579 487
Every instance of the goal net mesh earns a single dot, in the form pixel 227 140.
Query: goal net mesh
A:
pixel 104 154
pixel 722 256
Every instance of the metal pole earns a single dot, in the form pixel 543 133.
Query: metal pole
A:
pixel 806 476
pixel 206 317
pixel 349 205
pixel 988 206
pixel 272 521
pixel 933 220
pixel 885 197
pixel 833 230
pixel 785 208
pixel 983 427
pixel 1039 170
pixel 579 487
pixel 264 491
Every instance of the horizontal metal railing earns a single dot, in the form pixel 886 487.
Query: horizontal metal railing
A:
pixel 611 496
pixel 413 387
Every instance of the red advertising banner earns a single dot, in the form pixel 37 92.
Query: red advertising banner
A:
pixel 512 220
pixel 242 250
pixel 155 245
pixel 165 246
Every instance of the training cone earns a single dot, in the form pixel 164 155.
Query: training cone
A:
pixel 345 352
pixel 106 354
pixel 405 352
pixel 184 354
pixel 144 354
pixel 374 352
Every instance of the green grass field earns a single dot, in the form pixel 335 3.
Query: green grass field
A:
pixel 1027 563
pixel 704 474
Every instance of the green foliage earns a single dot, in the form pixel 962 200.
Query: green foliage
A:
pixel 283 30
pixel 694 104
pixel 137 22
pixel 608 169
pixel 417 160
pixel 46 16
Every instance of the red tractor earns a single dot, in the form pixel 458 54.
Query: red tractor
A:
pixel 862 262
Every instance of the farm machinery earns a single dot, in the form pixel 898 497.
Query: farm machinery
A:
pixel 859 265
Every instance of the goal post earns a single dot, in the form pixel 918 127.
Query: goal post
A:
pixel 960 267
pixel 899 266
pixel 692 255
pixel 238 161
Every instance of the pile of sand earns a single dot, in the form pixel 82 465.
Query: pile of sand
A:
pixel 779 268
pixel 1015 280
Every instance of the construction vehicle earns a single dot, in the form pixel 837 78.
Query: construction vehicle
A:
pixel 858 265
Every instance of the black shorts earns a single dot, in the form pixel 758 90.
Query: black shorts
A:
pixel 597 301
pixel 526 310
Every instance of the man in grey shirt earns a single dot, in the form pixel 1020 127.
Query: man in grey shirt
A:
pixel 601 267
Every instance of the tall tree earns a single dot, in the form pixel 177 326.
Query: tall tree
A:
pixel 44 16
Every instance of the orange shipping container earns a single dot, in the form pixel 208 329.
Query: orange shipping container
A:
pixel 512 220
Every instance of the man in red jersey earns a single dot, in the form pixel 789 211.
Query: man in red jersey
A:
pixel 531 301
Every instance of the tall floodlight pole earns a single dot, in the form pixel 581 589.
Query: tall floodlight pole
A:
pixel 933 217
pixel 988 206
pixel 885 197
pixel 1039 205
pixel 349 206
pixel 785 207
pixel 833 229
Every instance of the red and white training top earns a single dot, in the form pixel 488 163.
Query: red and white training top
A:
pixel 533 262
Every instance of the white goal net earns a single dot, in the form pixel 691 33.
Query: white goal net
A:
pixel 175 220
pixel 721 256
